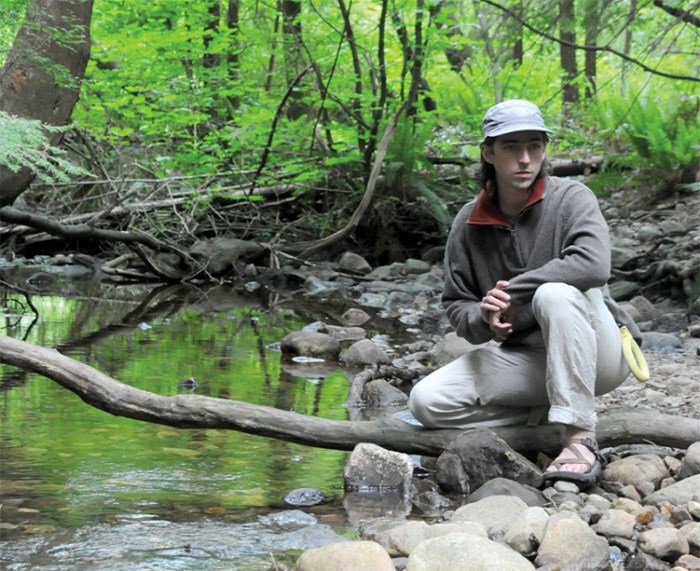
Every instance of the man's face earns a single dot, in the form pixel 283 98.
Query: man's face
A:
pixel 517 159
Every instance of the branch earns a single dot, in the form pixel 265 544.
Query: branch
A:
pixel 273 126
pixel 81 231
pixel 195 411
pixel 366 197
pixel 589 48
pixel 684 15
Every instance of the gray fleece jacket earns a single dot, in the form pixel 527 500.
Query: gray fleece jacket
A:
pixel 560 236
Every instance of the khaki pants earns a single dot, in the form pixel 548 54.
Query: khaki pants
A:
pixel 580 357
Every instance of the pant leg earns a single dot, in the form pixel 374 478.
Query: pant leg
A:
pixel 488 386
pixel 584 351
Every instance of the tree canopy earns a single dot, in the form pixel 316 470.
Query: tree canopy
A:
pixel 206 103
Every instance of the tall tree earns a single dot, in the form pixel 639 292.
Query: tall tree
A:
pixel 43 71
pixel 592 18
pixel 567 51
pixel 293 54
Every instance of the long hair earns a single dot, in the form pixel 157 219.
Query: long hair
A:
pixel 486 173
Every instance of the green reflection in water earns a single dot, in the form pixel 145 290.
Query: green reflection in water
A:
pixel 65 463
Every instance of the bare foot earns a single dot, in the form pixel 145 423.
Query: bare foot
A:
pixel 575 457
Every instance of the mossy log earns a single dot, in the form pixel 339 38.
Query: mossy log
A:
pixel 194 411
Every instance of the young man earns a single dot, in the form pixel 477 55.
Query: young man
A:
pixel 526 265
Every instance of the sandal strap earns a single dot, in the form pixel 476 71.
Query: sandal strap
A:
pixel 589 443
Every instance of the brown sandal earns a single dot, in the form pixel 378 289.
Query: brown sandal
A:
pixel 590 475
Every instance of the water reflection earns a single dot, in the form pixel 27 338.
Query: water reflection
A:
pixel 81 489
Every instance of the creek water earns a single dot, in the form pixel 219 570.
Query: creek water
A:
pixel 82 489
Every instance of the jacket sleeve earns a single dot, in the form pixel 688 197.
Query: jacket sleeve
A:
pixel 461 296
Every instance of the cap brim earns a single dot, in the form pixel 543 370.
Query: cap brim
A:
pixel 515 127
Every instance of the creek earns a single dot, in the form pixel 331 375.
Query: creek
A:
pixel 81 489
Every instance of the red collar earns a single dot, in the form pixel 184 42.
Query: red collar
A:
pixel 486 212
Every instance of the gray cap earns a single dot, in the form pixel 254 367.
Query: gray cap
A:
pixel 511 116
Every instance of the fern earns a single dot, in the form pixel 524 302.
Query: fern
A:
pixel 664 136
pixel 26 143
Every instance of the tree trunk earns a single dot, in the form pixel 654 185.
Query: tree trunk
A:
pixel 212 60
pixel 293 54
pixel 567 34
pixel 233 58
pixel 592 19
pixel 518 35
pixel 195 411
pixel 42 74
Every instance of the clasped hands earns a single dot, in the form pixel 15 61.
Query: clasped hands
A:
pixel 497 311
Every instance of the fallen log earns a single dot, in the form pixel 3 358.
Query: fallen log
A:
pixel 195 411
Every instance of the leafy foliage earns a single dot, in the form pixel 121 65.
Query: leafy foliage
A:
pixel 26 143
pixel 663 136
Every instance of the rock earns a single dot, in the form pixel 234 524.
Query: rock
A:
pixel 690 465
pixel 289 519
pixel 405 538
pixel 373 468
pixel 304 497
pixel 527 531
pixel 687 563
pixel 450 347
pixel 681 492
pixel 636 471
pixel 310 344
pixel 691 532
pixel 505 487
pixel 351 262
pixel 654 340
pixel 570 545
pixel 350 556
pixel 666 543
pixel 465 552
pixel 616 523
pixel 479 455
pixel 379 394
pixel 354 317
pixel 341 333
pixel 495 513
pixel 364 353
pixel 222 253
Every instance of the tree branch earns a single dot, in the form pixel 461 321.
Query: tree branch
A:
pixel 684 15
pixel 589 48
pixel 195 411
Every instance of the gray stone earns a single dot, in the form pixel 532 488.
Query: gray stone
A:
pixel 465 552
pixel 688 563
pixel 681 492
pixel 351 262
pixel 405 538
pixel 373 468
pixel 354 317
pixel 479 455
pixel 346 556
pixel 379 393
pixel 690 465
pixel 505 487
pixel 451 347
pixel 310 344
pixel 527 531
pixel 636 470
pixel 570 545
pixel 691 532
pixel 654 340
pixel 616 523
pixel 364 353
pixel 222 253
pixel 495 513
pixel 666 543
